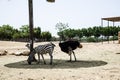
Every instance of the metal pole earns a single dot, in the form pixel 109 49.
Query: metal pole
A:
pixel 30 5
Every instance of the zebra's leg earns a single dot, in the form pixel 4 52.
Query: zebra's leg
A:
pixel 30 58
pixel 74 55
pixel 51 58
pixel 43 58
pixel 33 56
pixel 34 59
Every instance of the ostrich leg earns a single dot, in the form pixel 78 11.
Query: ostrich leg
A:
pixel 74 55
pixel 69 48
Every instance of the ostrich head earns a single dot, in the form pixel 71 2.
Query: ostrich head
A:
pixel 80 46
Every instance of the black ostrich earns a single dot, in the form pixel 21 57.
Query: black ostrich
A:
pixel 69 46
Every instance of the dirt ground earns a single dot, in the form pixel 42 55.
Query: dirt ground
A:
pixel 95 61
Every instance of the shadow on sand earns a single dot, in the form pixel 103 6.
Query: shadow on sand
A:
pixel 117 53
pixel 57 64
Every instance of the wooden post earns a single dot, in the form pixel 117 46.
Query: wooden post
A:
pixel 30 5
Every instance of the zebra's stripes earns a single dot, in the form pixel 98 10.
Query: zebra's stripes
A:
pixel 40 50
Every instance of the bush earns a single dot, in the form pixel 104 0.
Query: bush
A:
pixel 114 38
pixel 91 39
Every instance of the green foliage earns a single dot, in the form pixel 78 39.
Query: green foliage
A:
pixel 16 36
pixel 70 33
pixel 24 31
pixel 37 32
pixel 61 27
pixel 79 33
pixel 91 39
pixel 96 31
pixel 46 36
pixel 84 31
pixel 6 32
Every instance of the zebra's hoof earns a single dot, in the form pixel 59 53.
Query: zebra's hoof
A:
pixel 44 62
pixel 50 63
pixel 38 62
pixel 29 62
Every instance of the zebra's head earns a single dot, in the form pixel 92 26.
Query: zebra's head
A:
pixel 28 45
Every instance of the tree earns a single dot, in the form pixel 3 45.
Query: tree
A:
pixel 69 33
pixel 16 35
pixel 84 31
pixel 24 31
pixel 46 36
pixel 37 32
pixel 61 27
pixel 97 31
pixel 90 32
pixel 6 32
pixel 79 33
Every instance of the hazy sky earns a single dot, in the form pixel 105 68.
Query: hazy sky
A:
pixel 77 13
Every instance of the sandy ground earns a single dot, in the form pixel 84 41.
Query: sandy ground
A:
pixel 96 61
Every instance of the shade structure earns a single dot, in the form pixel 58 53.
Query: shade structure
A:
pixel 113 19
pixel 50 0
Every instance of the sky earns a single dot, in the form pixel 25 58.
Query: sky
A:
pixel 77 13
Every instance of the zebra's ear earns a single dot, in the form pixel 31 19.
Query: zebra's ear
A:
pixel 51 42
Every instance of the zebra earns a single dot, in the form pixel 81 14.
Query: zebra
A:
pixel 40 50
